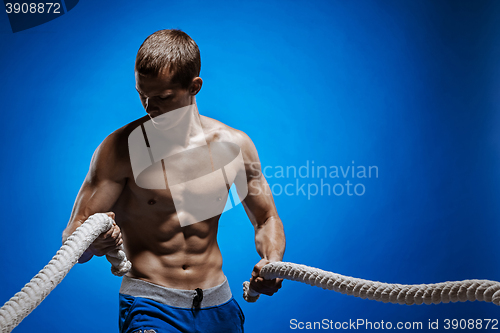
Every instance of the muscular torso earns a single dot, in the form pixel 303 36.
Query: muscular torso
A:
pixel 160 249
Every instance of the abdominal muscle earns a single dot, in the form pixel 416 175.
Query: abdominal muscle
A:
pixel 164 253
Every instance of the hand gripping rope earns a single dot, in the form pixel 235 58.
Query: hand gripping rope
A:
pixel 34 292
pixel 453 291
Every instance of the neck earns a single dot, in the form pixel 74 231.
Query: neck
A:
pixel 178 130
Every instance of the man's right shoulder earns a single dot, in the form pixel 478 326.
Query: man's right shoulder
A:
pixel 119 137
pixel 114 148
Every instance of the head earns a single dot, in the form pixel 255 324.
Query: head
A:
pixel 167 69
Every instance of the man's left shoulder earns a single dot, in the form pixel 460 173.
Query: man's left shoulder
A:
pixel 217 131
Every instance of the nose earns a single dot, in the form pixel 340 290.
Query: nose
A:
pixel 151 107
pixel 148 105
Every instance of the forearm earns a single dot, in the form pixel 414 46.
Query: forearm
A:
pixel 92 198
pixel 69 230
pixel 78 216
pixel 270 239
pixel 104 243
pixel 72 226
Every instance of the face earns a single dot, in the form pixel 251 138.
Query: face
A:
pixel 159 95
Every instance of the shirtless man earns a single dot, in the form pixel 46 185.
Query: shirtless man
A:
pixel 176 283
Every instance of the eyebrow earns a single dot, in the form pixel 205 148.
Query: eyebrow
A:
pixel 164 93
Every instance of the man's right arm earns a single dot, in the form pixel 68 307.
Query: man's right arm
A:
pixel 100 190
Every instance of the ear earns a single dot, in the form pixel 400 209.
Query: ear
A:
pixel 195 85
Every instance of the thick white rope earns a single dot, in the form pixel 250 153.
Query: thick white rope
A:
pixel 444 292
pixel 34 292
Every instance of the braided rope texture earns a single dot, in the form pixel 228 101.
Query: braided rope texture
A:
pixel 444 292
pixel 34 292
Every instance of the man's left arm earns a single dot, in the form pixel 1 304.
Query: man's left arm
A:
pixel 261 210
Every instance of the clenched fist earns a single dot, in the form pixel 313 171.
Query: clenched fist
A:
pixel 258 284
pixel 104 243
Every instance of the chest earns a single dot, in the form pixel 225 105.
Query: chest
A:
pixel 197 183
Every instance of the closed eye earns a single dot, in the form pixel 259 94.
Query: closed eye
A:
pixel 163 98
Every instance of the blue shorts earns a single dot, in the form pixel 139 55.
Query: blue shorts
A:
pixel 150 308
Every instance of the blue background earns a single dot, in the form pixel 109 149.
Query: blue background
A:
pixel 411 87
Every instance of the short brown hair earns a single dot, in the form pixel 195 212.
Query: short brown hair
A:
pixel 171 50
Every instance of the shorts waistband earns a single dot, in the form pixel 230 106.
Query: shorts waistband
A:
pixel 175 297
